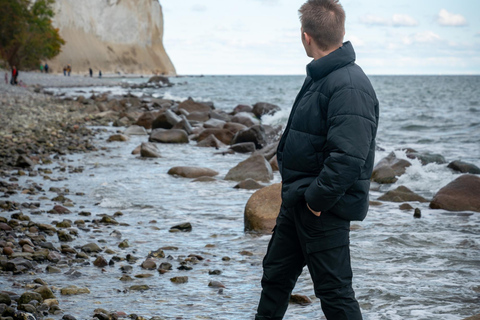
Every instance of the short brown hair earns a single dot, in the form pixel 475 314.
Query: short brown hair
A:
pixel 324 21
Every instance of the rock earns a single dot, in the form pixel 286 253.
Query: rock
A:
pixel 224 135
pixel 256 167
pixel 405 207
pixel 211 142
pixel 262 209
pixel 100 262
pixel 146 120
pixel 5 298
pixel 269 151
pixel 29 296
pixel 179 280
pixel 463 167
pixel 300 299
pixel 216 284
pixel 149 150
pixel 192 106
pixel 118 137
pixel 247 119
pixel 204 179
pixel 68 317
pixel 124 244
pixel 402 194
pixel 52 269
pixel 389 168
pixel 126 277
pixel 91 247
pixel 426 158
pixel 476 317
pixel 200 116
pixel 243 147
pixel 73 290
pixel 45 292
pixel 234 127
pixel 192 172
pixel 417 213
pixel 274 163
pixel 160 80
pixel 255 134
pixel 64 236
pixel 24 162
pixel 106 219
pixel 135 130
pixel 166 120
pixel 7 251
pixel 149 264
pixel 214 123
pixel 249 184
pixel 183 227
pixel 242 108
pixel 60 210
pixel 140 287
pixel 462 194
pixel 184 125
pixel 169 136
pixel 261 108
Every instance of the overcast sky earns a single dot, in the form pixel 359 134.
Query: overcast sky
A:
pixel 263 36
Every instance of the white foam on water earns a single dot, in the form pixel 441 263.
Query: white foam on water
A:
pixel 278 118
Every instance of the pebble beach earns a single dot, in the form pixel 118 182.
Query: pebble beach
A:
pixel 76 244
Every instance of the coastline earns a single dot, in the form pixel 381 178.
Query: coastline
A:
pixel 25 113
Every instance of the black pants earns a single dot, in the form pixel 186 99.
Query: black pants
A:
pixel 322 243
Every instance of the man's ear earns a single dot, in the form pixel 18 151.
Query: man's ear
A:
pixel 308 38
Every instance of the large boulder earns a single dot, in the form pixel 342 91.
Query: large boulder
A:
pixel 463 167
pixel 192 172
pixel 166 120
pixel 234 127
pixel 256 167
pixel 389 168
pixel 462 194
pixel 160 80
pixel 192 106
pixel 261 108
pixel 426 158
pixel 211 142
pixel 244 147
pixel 214 123
pixel 262 209
pixel 200 116
pixel 135 130
pixel 402 194
pixel 168 136
pixel 242 108
pixel 146 120
pixel 149 150
pixel 255 134
pixel 245 118
pixel 225 136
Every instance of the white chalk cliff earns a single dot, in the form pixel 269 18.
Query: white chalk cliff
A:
pixel 112 36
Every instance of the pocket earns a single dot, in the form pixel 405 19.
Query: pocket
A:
pixel 328 242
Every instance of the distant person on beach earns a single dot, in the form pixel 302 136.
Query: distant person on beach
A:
pixel 6 77
pixel 325 157
pixel 41 67
pixel 46 68
pixel 65 71
pixel 91 72
pixel 100 73
pixel 13 80
pixel 69 70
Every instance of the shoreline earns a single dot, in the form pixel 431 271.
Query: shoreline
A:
pixel 60 121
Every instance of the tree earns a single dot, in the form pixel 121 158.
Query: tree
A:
pixel 26 33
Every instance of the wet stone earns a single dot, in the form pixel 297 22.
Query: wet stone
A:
pixel 124 244
pixel 140 287
pixel 179 280
pixel 91 247
pixel 100 262
pixel 184 227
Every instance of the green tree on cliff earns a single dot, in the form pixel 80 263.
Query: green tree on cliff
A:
pixel 26 33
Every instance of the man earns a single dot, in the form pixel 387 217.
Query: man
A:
pixel 325 157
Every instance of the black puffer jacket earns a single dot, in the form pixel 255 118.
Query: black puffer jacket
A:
pixel 327 150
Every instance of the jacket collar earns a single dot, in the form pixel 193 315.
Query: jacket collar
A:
pixel 339 58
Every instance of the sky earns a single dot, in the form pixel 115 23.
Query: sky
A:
pixel 263 36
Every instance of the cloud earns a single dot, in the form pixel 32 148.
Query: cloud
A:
pixel 477 34
pixel 199 7
pixel 397 20
pixel 403 20
pixel 373 20
pixel 446 18
pixel 425 37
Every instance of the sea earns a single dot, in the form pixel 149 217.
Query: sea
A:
pixel 404 268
